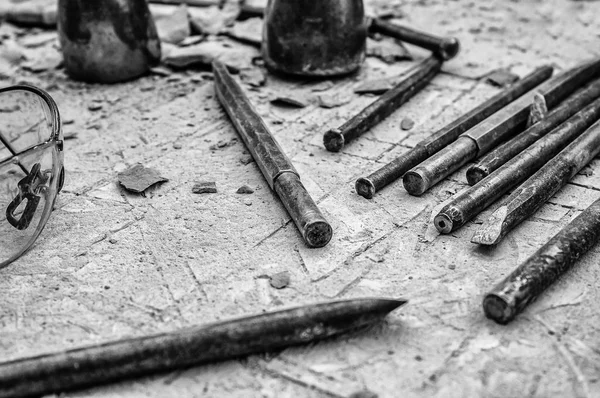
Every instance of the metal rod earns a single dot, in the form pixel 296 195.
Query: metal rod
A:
pixel 368 186
pixel 417 78
pixel 466 205
pixel 444 47
pixel 134 357
pixel 541 270
pixel 540 187
pixel 502 125
pixel 510 149
pixel 276 167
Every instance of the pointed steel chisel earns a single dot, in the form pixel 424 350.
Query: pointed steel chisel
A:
pixel 276 167
pixel 122 359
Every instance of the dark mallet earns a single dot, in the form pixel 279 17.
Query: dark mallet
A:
pixel 444 47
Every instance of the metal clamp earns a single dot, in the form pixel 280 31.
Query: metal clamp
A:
pixel 29 190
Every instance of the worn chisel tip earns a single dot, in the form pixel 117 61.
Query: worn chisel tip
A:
pixel 498 309
pixel 377 307
pixel 415 182
pixel 476 173
pixel 449 48
pixel 365 188
pixel 333 140
pixel 490 233
pixel 443 223
pixel 318 233
pixel 387 305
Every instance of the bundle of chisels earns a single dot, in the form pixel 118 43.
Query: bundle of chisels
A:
pixel 538 132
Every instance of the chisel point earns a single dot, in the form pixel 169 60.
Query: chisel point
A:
pixel 416 182
pixel 334 140
pixel 365 187
pixel 491 232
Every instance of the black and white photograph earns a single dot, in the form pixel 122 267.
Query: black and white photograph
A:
pixel 299 198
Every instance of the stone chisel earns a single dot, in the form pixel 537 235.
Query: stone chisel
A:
pixel 540 187
pixel 276 167
pixel 417 78
pixel 541 270
pixel 499 127
pixel 472 201
pixel 368 186
pixel 140 356
pixel 506 151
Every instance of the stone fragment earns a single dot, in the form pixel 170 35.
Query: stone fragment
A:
pixel 43 59
pixel 214 20
pixel 205 187
pixel 139 178
pixel 95 106
pixel 245 189
pixel 407 124
pixel 280 280
pixel 246 159
pixel 255 77
pixel 29 13
pixel 334 100
pixel 11 52
pixel 175 27
pixel 389 51
pixel 501 78
pixel 234 55
pixel 223 144
pixel 39 39
pixel 248 31
pixel 322 86
pixel 161 71
pixel 188 41
pixel 377 86
pixel 296 101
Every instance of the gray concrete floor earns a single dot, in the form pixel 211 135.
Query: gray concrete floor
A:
pixel 112 264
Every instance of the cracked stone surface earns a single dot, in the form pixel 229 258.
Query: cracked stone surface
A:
pixel 111 264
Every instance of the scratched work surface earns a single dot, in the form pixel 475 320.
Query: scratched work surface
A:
pixel 112 264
